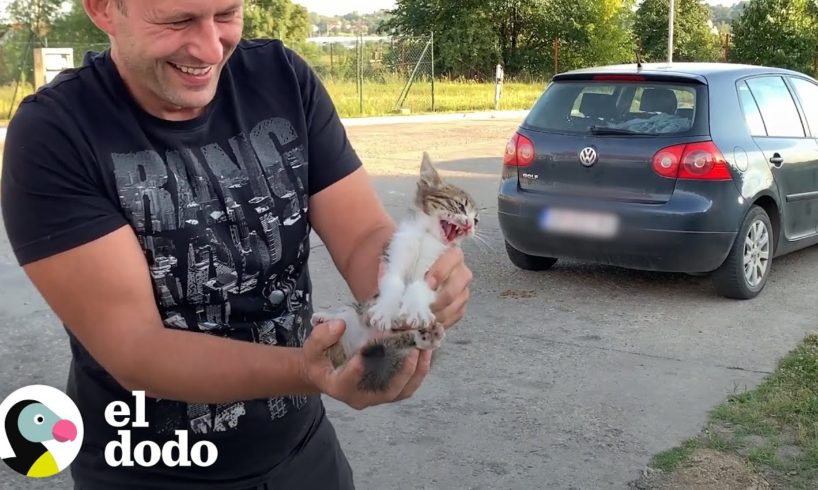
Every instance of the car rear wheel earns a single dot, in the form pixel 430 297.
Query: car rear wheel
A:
pixel 747 267
pixel 529 262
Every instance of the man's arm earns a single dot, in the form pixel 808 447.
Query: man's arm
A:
pixel 102 292
pixel 353 224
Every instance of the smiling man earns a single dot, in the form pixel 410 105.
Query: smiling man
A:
pixel 161 199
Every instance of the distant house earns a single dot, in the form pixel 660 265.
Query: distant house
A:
pixel 346 41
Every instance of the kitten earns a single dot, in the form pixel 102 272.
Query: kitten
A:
pixel 399 317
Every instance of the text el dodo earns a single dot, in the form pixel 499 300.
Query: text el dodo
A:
pixel 149 453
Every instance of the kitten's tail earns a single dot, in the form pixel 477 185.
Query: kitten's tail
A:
pixel 383 358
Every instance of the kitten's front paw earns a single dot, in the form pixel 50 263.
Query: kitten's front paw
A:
pixel 417 319
pixel 381 317
pixel 430 338
pixel 416 309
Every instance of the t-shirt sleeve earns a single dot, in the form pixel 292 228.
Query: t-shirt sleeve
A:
pixel 52 199
pixel 331 155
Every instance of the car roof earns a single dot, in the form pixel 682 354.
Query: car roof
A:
pixel 683 69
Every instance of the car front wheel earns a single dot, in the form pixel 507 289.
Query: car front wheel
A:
pixel 529 262
pixel 747 267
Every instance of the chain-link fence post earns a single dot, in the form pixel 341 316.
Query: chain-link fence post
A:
pixel 433 70
pixel 417 71
pixel 360 73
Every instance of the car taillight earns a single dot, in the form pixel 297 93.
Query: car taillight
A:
pixel 519 151
pixel 693 161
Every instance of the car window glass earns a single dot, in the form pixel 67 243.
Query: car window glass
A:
pixel 685 99
pixel 751 113
pixel 777 107
pixel 808 93
pixel 640 107
pixel 606 90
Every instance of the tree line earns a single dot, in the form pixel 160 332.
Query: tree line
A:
pixel 532 37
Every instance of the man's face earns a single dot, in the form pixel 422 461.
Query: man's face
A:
pixel 171 52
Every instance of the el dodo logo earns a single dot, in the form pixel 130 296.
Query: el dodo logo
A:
pixel 40 431
pixel 149 453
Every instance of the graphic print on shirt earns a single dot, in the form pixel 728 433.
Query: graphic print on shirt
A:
pixel 224 228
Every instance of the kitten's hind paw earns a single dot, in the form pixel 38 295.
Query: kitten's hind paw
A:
pixel 430 338
pixel 383 359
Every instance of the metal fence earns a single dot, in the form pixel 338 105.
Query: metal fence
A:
pixel 366 75
pixel 390 73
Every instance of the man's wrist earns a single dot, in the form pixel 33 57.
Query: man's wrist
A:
pixel 303 373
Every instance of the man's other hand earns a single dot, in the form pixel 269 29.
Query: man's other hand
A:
pixel 342 384
pixel 451 278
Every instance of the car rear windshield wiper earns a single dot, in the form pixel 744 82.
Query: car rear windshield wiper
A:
pixel 614 131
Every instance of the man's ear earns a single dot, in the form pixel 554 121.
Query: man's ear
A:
pixel 101 13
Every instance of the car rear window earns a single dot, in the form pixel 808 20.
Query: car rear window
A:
pixel 638 108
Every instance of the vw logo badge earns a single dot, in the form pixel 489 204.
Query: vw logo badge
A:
pixel 588 157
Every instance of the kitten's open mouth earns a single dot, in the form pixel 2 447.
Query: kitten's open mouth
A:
pixel 451 230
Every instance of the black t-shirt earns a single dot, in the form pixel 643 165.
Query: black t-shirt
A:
pixel 219 205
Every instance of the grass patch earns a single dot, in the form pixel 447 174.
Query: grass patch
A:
pixel 380 98
pixel 9 102
pixel 761 456
pixel 772 429
pixel 671 459
pixel 450 96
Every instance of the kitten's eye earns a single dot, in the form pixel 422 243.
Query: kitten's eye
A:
pixel 476 220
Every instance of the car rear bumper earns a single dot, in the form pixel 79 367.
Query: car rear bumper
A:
pixel 689 233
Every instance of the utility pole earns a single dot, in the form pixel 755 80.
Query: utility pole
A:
pixel 670 32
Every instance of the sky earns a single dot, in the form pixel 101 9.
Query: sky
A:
pixel 341 7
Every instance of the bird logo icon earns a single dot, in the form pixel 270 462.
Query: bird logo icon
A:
pixel 42 433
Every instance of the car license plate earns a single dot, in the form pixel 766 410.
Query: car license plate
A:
pixel 580 223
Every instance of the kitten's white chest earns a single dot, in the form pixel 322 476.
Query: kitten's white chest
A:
pixel 417 247
pixel 404 293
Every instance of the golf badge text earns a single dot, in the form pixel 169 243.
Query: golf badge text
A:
pixel 149 453
pixel 41 431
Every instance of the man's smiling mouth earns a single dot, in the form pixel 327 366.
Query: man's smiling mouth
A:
pixel 191 70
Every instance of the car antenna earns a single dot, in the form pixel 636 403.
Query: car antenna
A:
pixel 639 58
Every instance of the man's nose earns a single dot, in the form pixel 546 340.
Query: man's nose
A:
pixel 207 45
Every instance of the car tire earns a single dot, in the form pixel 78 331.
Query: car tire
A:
pixel 529 262
pixel 753 250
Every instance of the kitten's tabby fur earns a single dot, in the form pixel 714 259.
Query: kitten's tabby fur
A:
pixel 399 318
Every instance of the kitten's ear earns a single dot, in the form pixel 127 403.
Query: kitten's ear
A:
pixel 428 174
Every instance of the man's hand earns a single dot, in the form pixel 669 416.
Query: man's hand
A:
pixel 450 277
pixel 342 384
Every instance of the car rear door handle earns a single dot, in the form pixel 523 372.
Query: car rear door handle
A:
pixel 777 160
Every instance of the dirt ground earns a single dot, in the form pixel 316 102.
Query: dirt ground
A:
pixel 706 470
pixel 397 149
